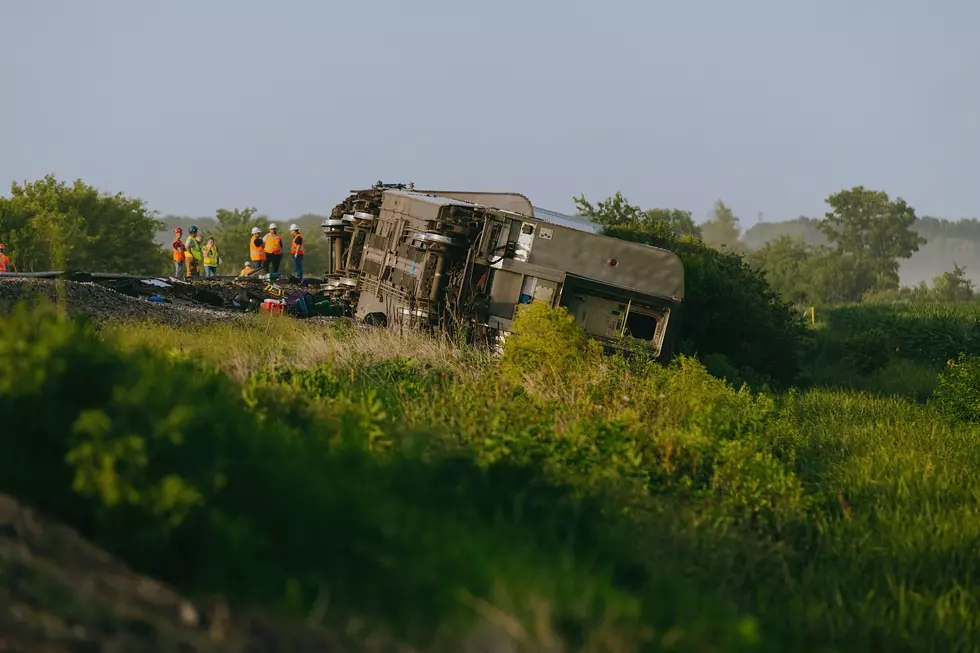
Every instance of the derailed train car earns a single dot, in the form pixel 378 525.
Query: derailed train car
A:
pixel 446 260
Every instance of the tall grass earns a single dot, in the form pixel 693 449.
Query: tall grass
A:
pixel 554 499
pixel 273 341
pixel 890 349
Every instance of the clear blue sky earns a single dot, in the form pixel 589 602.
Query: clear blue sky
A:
pixel 770 105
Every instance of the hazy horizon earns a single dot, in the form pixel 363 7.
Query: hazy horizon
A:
pixel 770 107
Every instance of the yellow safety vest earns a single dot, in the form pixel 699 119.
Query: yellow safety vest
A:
pixel 211 256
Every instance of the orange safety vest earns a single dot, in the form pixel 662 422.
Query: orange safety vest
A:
pixel 294 249
pixel 178 250
pixel 255 252
pixel 4 263
pixel 245 272
pixel 273 243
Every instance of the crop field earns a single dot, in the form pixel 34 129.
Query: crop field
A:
pixel 401 490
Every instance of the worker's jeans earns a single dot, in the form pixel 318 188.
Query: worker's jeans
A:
pixel 298 264
pixel 258 265
pixel 179 268
pixel 210 270
pixel 274 261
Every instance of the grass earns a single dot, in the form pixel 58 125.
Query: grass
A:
pixel 895 349
pixel 554 499
pixel 274 341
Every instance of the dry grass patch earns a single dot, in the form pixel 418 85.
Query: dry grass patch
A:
pixel 241 349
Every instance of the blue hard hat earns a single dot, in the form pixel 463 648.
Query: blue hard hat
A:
pixel 192 229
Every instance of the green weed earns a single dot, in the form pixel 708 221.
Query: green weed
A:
pixel 556 498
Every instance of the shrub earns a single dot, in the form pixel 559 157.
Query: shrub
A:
pixel 958 393
pixel 302 484
pixel 730 309
pixel 547 340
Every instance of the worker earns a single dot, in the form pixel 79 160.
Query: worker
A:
pixel 179 255
pixel 256 249
pixel 296 249
pixel 194 256
pixel 211 259
pixel 247 270
pixel 273 248
pixel 4 259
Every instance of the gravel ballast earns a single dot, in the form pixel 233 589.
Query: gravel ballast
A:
pixel 106 304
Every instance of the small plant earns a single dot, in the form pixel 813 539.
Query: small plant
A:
pixel 546 339
pixel 957 396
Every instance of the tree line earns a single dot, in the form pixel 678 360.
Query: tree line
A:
pixel 852 254
pixel 49 224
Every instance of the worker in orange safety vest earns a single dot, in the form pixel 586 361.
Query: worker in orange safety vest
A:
pixel 273 248
pixel 296 249
pixel 5 263
pixel 179 253
pixel 256 249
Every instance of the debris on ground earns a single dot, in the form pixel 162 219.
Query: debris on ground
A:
pixel 171 301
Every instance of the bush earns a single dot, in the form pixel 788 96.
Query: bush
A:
pixel 730 309
pixel 302 484
pixel 927 333
pixel 957 396
pixel 547 340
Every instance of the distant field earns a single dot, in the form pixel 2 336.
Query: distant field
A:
pixel 556 499
pixel 896 349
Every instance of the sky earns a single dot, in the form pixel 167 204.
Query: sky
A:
pixel 769 105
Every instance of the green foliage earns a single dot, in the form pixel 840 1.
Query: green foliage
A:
pixel 809 275
pixel 874 229
pixel 889 348
pixel 232 234
pixel 799 229
pixel 47 224
pixel 729 309
pixel 602 503
pixel 952 286
pixel 927 333
pixel 785 263
pixel 722 230
pixel 310 482
pixel 616 211
pixel 547 340
pixel 957 396
pixel 868 233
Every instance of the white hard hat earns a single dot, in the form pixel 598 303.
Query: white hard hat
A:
pixel 272 225
pixel 294 227
pixel 256 230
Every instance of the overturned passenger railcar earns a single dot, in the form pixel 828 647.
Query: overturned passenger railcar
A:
pixel 466 260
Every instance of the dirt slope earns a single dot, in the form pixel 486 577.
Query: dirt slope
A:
pixel 58 593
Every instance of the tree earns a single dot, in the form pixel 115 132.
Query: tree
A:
pixel 678 222
pixel 48 224
pixel 722 230
pixel 613 211
pixel 729 308
pixel 616 211
pixel 953 286
pixel 234 228
pixel 784 262
pixel 874 229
